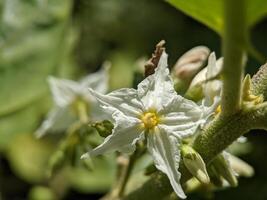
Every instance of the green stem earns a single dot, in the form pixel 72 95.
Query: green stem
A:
pixel 125 169
pixel 126 174
pixel 234 41
pixel 259 82
pixel 82 112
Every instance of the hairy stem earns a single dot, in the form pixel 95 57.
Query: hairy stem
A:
pixel 234 41
pixel 259 82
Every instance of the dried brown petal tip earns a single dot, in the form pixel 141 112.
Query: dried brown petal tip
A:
pixel 152 63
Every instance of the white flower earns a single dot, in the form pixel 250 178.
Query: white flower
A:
pixel 65 93
pixel 156 112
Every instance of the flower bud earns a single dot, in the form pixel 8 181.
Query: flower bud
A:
pixel 215 177
pixel 191 62
pixel 195 164
pixel 104 128
pixel 247 96
pixel 187 66
pixel 55 162
pixel 222 166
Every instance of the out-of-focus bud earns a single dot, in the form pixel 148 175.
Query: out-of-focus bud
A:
pixel 104 128
pixel 195 164
pixel 187 66
pixel 222 166
pixel 139 71
pixel 248 98
pixel 41 192
pixel 241 167
pixel 55 162
pixel 191 62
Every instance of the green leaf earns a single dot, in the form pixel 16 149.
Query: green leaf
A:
pixel 210 12
pixel 256 11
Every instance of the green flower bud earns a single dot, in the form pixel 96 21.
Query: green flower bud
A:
pixel 195 164
pixel 104 128
pixel 247 96
pixel 55 162
pixel 223 168
pixel 215 177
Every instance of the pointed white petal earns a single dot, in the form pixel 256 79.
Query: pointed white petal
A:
pixel 212 88
pixel 126 133
pixel 199 78
pixel 58 119
pixel 166 155
pixel 98 81
pixel 214 67
pixel 123 100
pixel 156 90
pixel 182 117
pixel 63 91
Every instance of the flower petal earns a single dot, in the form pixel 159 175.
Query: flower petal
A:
pixel 98 81
pixel 58 119
pixel 126 133
pixel 63 91
pixel 213 87
pixel 182 117
pixel 156 90
pixel 166 155
pixel 124 100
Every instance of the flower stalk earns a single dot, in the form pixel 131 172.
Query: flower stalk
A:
pixel 234 41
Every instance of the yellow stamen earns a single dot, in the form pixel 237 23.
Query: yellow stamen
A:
pixel 218 110
pixel 150 120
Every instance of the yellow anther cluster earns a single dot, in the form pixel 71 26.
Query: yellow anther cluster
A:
pixel 150 120
pixel 218 110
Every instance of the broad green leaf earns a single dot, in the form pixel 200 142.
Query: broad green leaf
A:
pixel 257 10
pixel 210 12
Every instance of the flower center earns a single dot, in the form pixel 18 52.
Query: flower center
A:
pixel 150 120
